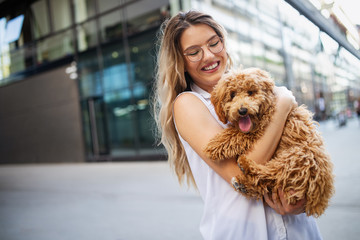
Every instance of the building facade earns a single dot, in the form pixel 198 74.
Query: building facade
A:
pixel 75 79
pixel 76 75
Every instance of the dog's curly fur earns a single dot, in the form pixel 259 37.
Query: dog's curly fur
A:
pixel 299 166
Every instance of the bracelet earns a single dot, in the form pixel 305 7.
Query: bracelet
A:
pixel 241 168
pixel 239 187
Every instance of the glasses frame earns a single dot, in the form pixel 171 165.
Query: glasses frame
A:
pixel 208 47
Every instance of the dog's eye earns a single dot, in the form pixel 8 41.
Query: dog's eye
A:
pixel 250 93
pixel 232 95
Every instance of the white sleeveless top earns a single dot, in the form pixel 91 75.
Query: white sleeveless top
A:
pixel 228 215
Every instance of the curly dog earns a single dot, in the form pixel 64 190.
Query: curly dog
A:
pixel 244 99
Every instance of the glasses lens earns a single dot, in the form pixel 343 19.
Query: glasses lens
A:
pixel 194 54
pixel 216 45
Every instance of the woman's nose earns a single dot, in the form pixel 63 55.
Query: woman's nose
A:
pixel 207 53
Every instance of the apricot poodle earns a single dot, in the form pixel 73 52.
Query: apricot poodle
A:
pixel 244 99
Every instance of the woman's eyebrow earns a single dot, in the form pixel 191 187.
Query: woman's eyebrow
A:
pixel 194 46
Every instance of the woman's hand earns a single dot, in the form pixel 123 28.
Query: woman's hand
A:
pixel 278 202
pixel 285 99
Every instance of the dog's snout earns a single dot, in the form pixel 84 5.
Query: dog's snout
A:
pixel 243 111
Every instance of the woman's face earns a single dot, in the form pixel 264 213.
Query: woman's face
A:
pixel 208 70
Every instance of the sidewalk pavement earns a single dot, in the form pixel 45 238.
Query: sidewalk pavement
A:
pixel 142 200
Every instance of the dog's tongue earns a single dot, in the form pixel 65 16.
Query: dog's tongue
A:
pixel 245 124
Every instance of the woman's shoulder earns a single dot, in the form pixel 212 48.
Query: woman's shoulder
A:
pixel 188 98
pixel 188 95
pixel 192 115
pixel 189 102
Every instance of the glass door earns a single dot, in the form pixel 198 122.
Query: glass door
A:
pixel 98 127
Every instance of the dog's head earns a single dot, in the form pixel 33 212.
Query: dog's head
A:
pixel 242 97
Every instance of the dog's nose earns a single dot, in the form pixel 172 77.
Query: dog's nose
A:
pixel 243 111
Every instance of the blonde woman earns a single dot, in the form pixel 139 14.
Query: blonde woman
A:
pixel 192 58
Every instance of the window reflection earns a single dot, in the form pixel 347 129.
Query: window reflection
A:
pixel 141 50
pixel 144 15
pixel 17 61
pixel 86 35
pixel 86 128
pixel 39 19
pixel 89 74
pixel 61 14
pixel 55 47
pixel 115 67
pixel 120 121
pixel 84 9
pixel 109 4
pixel 13 29
pixel 110 26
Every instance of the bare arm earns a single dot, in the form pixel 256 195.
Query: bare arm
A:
pixel 197 126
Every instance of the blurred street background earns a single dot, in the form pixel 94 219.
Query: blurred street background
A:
pixel 78 157
pixel 142 200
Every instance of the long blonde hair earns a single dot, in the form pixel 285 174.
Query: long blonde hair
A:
pixel 170 81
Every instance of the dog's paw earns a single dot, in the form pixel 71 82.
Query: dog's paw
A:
pixel 244 164
pixel 214 152
pixel 220 148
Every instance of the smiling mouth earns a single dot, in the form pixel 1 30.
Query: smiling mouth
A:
pixel 211 67
pixel 245 124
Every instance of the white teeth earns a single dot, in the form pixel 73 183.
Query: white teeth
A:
pixel 211 66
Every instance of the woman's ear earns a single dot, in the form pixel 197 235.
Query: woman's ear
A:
pixel 217 97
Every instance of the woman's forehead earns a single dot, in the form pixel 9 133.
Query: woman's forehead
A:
pixel 196 35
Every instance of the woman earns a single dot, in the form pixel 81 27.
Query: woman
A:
pixel 191 60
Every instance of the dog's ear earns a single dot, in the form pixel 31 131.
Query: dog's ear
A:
pixel 266 84
pixel 217 97
pixel 264 80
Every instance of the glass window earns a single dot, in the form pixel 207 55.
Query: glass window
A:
pixel 84 9
pixel 111 27
pixel 115 67
pixel 94 126
pixel 98 127
pixel 13 29
pixel 105 5
pixel 86 128
pixel 86 35
pixel 55 47
pixel 142 48
pixel 143 119
pixel 120 115
pixel 89 74
pixel 61 15
pixel 17 58
pixel 39 19
pixel 142 65
pixel 144 15
pixel 5 61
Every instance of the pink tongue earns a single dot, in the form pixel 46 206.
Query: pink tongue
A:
pixel 245 124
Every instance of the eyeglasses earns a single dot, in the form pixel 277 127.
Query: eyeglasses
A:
pixel 196 53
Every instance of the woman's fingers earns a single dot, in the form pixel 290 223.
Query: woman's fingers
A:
pixel 278 202
pixel 273 201
pixel 296 208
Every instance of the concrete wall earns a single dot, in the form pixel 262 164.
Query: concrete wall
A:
pixel 40 120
